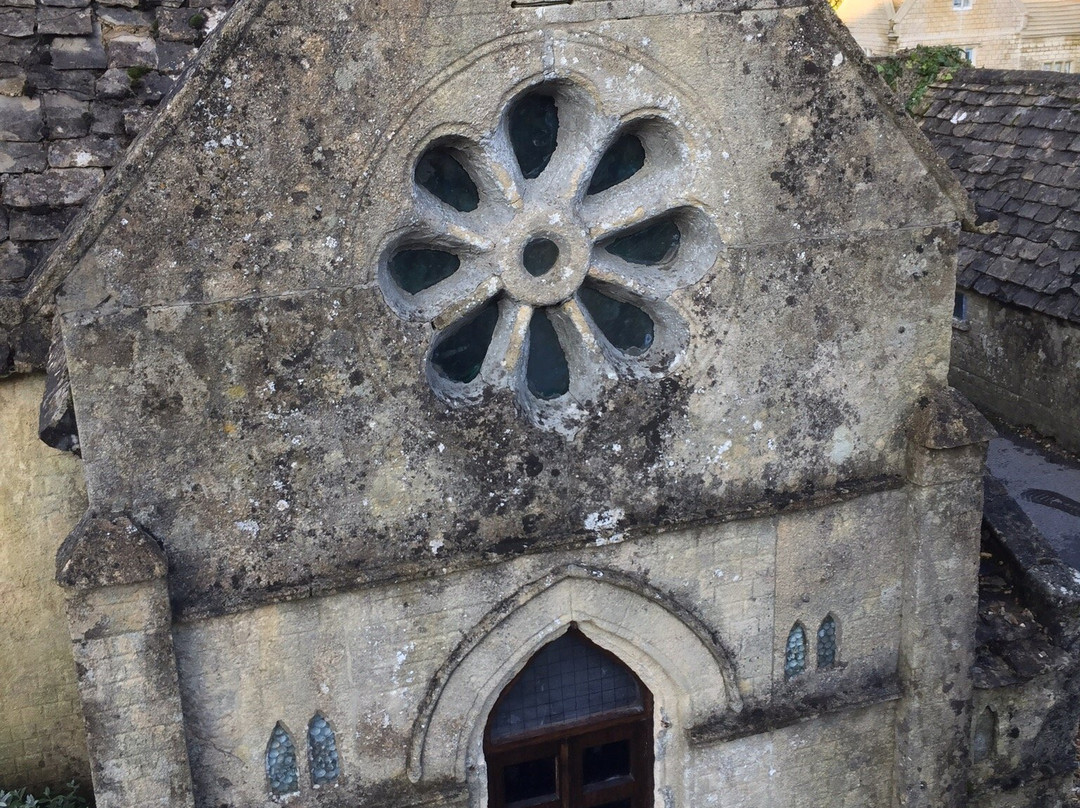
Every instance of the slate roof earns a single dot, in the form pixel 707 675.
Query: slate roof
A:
pixel 1013 140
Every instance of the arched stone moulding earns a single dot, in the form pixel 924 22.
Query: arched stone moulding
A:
pixel 688 671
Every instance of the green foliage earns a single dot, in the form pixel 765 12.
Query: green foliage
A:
pixel 68 797
pixel 910 73
pixel 136 73
pixel 196 20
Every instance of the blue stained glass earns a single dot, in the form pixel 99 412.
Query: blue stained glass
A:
pixel 440 172
pixel 567 680
pixel 627 327
pixel 539 255
pixel 322 751
pixel 826 643
pixel 417 268
pixel 795 652
pixel 547 372
pixel 623 159
pixel 281 768
pixel 460 354
pixel 650 244
pixel 534 128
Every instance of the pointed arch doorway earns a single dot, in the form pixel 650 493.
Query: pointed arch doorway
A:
pixel 572 730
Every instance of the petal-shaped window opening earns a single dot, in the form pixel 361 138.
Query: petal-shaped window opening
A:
pixel 826 643
pixel 623 159
pixel 322 751
pixel 795 652
pixel 539 255
pixel 417 268
pixel 281 768
pixel 547 372
pixel 460 354
pixel 441 173
pixel 627 327
pixel 534 128
pixel 651 244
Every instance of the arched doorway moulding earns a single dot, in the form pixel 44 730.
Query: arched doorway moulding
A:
pixel 687 669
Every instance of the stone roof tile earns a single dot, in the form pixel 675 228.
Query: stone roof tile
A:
pixel 1012 139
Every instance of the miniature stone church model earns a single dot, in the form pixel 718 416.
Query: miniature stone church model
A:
pixel 490 403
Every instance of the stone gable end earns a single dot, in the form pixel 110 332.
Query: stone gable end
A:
pixel 257 391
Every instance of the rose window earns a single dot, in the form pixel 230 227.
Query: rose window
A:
pixel 544 254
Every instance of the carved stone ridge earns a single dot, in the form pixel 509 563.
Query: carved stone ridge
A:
pixel 947 420
pixel 108 551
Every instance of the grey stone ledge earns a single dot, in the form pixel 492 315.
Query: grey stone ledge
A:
pixel 108 551
pixel 793 703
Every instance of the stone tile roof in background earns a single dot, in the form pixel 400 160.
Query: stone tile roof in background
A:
pixel 1013 139
pixel 78 80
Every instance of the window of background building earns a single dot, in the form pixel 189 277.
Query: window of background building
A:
pixel 961 5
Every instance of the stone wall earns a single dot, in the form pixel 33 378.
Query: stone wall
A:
pixel 1035 53
pixel 42 739
pixel 367 661
pixel 992 365
pixel 78 80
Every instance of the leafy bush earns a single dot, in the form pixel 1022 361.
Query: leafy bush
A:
pixel 68 797
pixel 910 73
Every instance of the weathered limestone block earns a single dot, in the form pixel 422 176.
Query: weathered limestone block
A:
pixel 152 87
pixel 127 20
pixel 66 116
pixel 173 57
pixel 108 118
pixel 40 226
pixel 85 151
pixel 3 224
pixel 113 84
pixel 16 50
pixel 176 24
pixel 17 21
pixel 79 83
pixel 69 21
pixel 58 186
pixel 16 260
pixel 66 3
pixel 18 158
pixel 131 50
pixel 946 447
pixel 20 118
pixel 78 53
pixel 12 80
pixel 120 622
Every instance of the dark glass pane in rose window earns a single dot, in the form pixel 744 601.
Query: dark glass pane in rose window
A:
pixel 416 269
pixel 534 128
pixel 440 173
pixel 605 762
pixel 626 327
pixel 547 373
pixel 623 159
pixel 531 780
pixel 651 244
pixel 460 354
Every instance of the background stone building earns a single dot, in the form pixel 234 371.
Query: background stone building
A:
pixel 419 354
pixel 1013 139
pixel 1005 34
